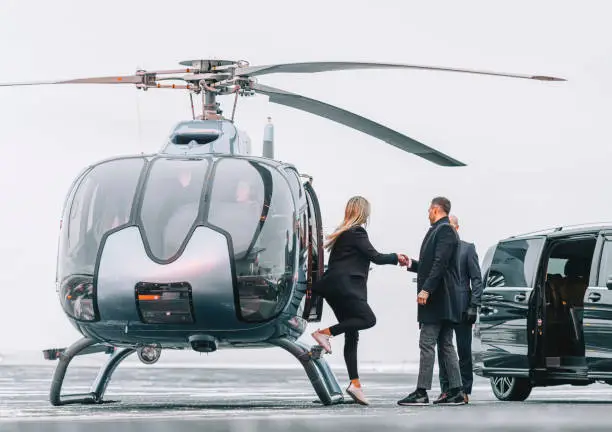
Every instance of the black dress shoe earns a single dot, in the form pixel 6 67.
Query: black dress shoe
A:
pixel 415 398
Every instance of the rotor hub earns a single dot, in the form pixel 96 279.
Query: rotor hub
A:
pixel 212 65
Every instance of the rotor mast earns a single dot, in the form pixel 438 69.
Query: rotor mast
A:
pixel 212 78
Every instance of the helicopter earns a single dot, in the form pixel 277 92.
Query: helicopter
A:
pixel 202 245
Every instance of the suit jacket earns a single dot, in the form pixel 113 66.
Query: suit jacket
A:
pixel 349 264
pixel 438 273
pixel 470 282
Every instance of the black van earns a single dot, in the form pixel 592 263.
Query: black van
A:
pixel 546 315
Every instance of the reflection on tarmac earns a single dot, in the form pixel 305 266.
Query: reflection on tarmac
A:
pixel 156 399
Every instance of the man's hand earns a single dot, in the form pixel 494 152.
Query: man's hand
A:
pixel 471 314
pixel 422 297
pixel 403 260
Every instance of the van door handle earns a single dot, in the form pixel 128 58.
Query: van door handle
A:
pixel 594 297
pixel 492 297
pixel 520 297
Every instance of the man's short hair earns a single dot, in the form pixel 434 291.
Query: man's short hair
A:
pixel 443 202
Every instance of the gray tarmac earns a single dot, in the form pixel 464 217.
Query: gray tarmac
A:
pixel 207 399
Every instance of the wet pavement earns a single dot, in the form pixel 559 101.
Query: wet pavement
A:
pixel 211 399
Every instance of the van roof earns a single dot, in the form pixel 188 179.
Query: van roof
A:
pixel 585 228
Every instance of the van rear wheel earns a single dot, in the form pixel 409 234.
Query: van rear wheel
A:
pixel 511 388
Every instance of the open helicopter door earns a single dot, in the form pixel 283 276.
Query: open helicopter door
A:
pixel 313 310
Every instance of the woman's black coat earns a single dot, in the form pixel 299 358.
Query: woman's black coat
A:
pixel 349 265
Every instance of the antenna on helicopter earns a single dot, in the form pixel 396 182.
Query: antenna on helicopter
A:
pixel 268 140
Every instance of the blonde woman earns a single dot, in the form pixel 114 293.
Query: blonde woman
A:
pixel 344 286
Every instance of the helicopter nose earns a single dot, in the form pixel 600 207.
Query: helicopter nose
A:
pixel 195 288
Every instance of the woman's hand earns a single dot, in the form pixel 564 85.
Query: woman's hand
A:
pixel 403 260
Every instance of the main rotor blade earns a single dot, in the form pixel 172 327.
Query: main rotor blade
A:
pixel 130 79
pixel 357 122
pixel 314 67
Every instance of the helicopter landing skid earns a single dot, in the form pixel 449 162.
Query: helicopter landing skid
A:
pixel 321 376
pixel 83 346
pixel 315 353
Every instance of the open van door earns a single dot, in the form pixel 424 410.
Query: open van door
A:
pixel 597 314
pixel 504 314
pixel 503 321
pixel 313 310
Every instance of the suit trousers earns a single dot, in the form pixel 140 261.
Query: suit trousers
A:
pixel 437 334
pixel 463 332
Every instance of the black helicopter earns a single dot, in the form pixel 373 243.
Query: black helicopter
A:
pixel 202 245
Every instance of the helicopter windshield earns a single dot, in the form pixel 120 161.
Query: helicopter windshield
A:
pixel 253 203
pixel 171 203
pixel 102 202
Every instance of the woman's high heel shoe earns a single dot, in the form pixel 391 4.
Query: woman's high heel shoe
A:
pixel 323 340
pixel 357 394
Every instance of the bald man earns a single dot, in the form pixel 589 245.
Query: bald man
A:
pixel 469 299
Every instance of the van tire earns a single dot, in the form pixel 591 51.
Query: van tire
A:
pixel 511 388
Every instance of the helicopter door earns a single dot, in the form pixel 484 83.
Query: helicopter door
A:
pixel 313 310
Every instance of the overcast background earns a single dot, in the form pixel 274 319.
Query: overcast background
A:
pixel 538 153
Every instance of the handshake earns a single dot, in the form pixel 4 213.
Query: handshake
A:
pixel 403 260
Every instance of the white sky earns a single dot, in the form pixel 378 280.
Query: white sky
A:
pixel 538 153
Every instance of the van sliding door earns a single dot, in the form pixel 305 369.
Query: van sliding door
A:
pixel 597 316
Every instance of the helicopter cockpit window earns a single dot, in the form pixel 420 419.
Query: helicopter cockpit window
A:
pixel 296 185
pixel 253 204
pixel 171 203
pixel 102 202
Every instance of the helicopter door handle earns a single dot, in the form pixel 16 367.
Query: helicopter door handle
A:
pixel 594 297
pixel 520 297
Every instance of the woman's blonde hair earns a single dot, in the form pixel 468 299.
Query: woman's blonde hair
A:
pixel 356 213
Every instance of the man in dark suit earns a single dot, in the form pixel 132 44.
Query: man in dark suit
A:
pixel 469 300
pixel 437 286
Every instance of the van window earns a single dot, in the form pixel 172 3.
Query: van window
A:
pixel 556 266
pixel 514 263
pixel 606 264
